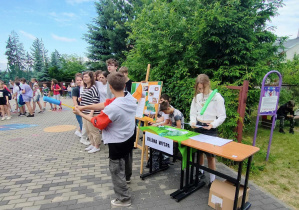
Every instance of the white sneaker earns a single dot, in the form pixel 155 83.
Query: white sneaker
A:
pixel 90 147
pixel 84 141
pixel 94 150
pixel 8 118
pixel 78 133
pixel 3 118
pixel 119 203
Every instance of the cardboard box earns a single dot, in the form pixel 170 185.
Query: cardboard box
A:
pixel 222 195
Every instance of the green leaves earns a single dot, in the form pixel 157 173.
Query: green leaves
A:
pixel 108 32
pixel 66 67
pixel 182 38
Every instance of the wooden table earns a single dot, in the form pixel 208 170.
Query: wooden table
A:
pixel 237 152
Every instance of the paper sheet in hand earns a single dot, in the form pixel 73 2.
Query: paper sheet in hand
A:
pixel 196 126
pixel 211 140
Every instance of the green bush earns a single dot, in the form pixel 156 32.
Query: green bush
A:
pixel 182 93
pixel 226 40
pixel 285 95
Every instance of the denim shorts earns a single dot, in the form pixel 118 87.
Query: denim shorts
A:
pixel 36 99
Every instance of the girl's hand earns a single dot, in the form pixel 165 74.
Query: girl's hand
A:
pixel 80 107
pixel 193 125
pixel 76 110
pixel 208 127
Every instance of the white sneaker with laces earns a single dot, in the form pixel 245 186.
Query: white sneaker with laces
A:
pixel 78 133
pixel 90 147
pixel 94 150
pixel 8 118
pixel 3 118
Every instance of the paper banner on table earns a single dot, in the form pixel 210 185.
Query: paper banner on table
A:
pixel 159 143
pixel 211 140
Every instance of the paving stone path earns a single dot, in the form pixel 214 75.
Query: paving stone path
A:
pixel 42 170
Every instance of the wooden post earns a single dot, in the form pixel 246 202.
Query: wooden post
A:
pixel 143 150
pixel 137 134
pixel 242 109
pixel 147 72
pixel 243 90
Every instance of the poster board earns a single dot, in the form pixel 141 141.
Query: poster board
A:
pixel 148 95
pixel 268 105
pixel 270 96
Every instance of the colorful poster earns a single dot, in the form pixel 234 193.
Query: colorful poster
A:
pixel 154 94
pixel 270 96
pixel 148 96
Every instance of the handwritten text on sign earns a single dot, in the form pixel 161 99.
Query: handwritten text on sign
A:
pixel 160 143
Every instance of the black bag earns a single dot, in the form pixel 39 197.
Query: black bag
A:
pixel 9 96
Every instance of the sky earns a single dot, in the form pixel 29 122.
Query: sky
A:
pixel 61 24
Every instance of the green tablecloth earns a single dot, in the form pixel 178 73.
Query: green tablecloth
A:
pixel 179 139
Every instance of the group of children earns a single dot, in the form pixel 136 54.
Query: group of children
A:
pixel 106 106
pixel 26 97
pixel 105 110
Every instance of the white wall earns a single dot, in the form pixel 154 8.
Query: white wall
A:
pixel 291 52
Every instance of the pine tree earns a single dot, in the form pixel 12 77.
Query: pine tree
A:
pixel 28 65
pixel 36 52
pixel 15 56
pixel 39 54
pixel 55 59
pixel 44 74
pixel 108 33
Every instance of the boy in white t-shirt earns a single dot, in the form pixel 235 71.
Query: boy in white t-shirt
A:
pixel 117 122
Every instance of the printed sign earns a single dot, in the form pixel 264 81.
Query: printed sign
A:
pixel 269 102
pixel 160 143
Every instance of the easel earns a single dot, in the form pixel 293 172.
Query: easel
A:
pixel 144 149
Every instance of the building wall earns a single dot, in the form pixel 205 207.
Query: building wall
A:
pixel 291 52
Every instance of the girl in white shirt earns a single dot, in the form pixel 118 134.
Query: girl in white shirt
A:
pixel 102 85
pixel 213 116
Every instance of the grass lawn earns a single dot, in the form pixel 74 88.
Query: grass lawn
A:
pixel 280 175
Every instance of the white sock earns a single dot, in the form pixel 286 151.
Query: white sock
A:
pixel 212 177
